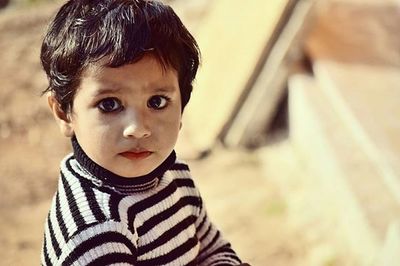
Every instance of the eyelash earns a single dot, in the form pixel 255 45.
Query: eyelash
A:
pixel 102 109
pixel 164 97
pixel 121 107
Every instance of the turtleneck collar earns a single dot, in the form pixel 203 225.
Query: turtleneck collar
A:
pixel 124 185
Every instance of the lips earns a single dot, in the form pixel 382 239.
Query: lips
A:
pixel 136 155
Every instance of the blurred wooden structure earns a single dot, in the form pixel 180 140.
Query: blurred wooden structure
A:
pixel 267 87
pixel 235 39
pixel 344 122
pixel 339 62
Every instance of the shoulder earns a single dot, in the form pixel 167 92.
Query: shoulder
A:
pixel 77 203
pixel 180 165
pixel 180 173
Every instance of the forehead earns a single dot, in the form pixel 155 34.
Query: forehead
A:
pixel 147 73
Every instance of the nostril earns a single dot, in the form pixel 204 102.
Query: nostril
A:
pixel 146 134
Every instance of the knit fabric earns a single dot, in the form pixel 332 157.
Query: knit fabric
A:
pixel 99 218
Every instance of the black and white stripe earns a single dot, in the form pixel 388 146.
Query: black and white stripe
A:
pixel 94 223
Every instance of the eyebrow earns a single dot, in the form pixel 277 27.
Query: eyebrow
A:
pixel 107 90
pixel 165 89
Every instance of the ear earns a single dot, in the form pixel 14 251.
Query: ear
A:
pixel 62 119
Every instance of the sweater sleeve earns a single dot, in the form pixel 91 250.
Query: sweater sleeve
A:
pixel 214 249
pixel 100 244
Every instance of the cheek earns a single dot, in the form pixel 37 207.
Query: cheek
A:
pixel 95 130
pixel 98 142
pixel 168 125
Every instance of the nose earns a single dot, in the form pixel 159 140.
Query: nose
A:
pixel 136 127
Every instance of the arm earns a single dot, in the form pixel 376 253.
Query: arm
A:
pixel 214 249
pixel 100 244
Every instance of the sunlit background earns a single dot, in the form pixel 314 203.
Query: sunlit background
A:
pixel 292 132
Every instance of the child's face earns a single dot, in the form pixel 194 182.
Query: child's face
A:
pixel 127 119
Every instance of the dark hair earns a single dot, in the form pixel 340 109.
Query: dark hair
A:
pixel 122 31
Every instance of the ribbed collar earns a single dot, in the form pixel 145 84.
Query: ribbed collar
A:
pixel 124 185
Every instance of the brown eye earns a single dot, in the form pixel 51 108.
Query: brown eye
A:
pixel 157 102
pixel 109 105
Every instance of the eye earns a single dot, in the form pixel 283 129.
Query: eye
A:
pixel 109 105
pixel 158 102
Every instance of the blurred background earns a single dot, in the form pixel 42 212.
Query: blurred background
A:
pixel 292 132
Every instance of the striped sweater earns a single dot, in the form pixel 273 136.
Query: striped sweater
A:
pixel 99 218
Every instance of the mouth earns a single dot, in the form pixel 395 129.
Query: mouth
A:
pixel 136 155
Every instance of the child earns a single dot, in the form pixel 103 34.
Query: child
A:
pixel 120 74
